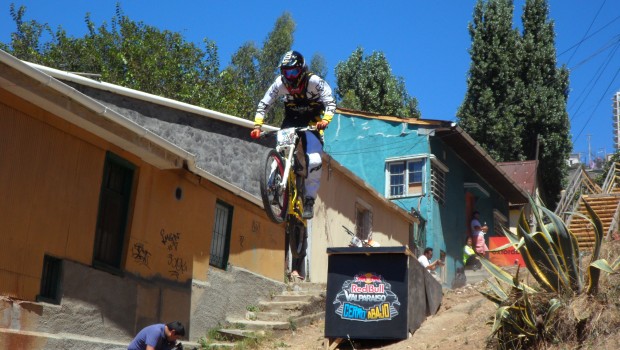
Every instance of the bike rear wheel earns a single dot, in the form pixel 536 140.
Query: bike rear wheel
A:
pixel 275 199
pixel 297 237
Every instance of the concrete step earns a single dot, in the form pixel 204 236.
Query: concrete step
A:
pixel 302 304
pixel 306 320
pixel 307 286
pixel 473 277
pixel 283 306
pixel 293 297
pixel 272 316
pixel 220 345
pixel 254 325
pixel 308 293
pixel 236 334
pixel 275 316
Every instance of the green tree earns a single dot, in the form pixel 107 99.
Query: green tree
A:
pixel 26 40
pixel 318 65
pixel 239 83
pixel 489 112
pixel 253 70
pixel 543 100
pixel 367 83
pixel 515 105
pixel 126 53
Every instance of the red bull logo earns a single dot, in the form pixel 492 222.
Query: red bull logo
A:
pixel 367 297
pixel 367 278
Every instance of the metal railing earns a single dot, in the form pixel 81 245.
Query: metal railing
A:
pixel 611 183
pixel 611 180
pixel 614 223
pixel 579 184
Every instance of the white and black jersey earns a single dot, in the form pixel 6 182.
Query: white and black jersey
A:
pixel 301 109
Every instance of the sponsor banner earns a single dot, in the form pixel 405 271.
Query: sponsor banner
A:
pixel 506 257
pixel 366 298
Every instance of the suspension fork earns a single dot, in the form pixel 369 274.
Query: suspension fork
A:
pixel 288 162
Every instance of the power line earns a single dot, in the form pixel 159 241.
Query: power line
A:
pixel 599 101
pixel 607 45
pixel 589 36
pixel 595 78
pixel 586 33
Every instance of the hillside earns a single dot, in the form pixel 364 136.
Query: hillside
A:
pixel 463 322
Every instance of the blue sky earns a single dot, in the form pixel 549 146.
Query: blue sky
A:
pixel 425 42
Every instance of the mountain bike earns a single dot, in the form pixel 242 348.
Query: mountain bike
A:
pixel 282 186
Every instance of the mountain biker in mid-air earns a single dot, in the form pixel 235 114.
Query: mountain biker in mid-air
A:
pixel 308 101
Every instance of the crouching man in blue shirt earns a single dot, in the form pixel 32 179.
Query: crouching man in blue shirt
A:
pixel 158 337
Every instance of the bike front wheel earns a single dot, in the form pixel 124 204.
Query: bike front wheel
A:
pixel 275 197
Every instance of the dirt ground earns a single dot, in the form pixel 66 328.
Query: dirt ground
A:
pixel 460 323
pixel 463 322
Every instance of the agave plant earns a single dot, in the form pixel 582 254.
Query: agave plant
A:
pixel 518 322
pixel 551 255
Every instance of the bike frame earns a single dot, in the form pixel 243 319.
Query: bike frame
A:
pixel 287 140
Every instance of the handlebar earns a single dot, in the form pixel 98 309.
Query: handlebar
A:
pixel 351 233
pixel 297 129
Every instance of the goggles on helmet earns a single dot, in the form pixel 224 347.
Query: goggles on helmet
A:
pixel 291 73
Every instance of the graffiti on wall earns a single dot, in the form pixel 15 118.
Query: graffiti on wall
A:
pixel 170 240
pixel 255 226
pixel 140 255
pixel 177 265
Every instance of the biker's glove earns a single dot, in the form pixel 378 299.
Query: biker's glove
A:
pixel 322 124
pixel 255 133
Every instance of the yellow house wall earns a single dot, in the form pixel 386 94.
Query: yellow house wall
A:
pixel 49 183
pixel 168 234
pixel 50 178
pixel 257 244
pixel 336 207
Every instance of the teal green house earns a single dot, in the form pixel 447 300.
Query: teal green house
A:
pixel 434 170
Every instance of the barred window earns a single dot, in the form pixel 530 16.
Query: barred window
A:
pixel 363 221
pixel 50 280
pixel 222 228
pixel 114 207
pixel 438 183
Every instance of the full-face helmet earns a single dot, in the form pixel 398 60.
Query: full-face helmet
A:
pixel 292 69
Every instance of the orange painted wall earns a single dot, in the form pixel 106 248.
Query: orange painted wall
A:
pixel 50 178
pixel 49 198
pixel 257 244
pixel 175 235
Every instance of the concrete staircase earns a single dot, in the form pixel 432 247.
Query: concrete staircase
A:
pixel 605 206
pixel 476 276
pixel 300 305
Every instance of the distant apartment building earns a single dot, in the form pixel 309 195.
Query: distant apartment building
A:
pixel 574 159
pixel 616 118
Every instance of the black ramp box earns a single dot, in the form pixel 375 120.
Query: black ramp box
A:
pixel 377 293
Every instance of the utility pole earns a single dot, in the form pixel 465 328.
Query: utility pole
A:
pixel 589 152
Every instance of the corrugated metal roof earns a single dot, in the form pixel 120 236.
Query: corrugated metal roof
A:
pixel 523 173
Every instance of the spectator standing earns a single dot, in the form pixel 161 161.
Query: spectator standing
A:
pixel 481 245
pixel 475 225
